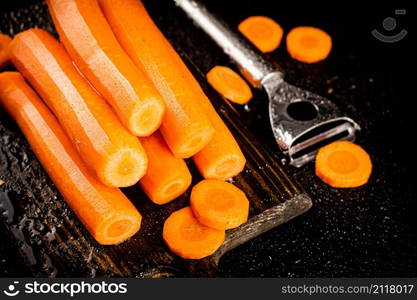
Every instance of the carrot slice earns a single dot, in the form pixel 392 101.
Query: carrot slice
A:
pixel 343 164
pixel 91 43
pixel 308 44
pixel 4 53
pixel 263 32
pixel 167 177
pixel 185 127
pixel 229 84
pixel 188 238
pixel 218 204
pixel 222 158
pixel 106 212
pixel 115 155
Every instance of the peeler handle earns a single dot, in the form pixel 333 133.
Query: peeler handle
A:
pixel 250 61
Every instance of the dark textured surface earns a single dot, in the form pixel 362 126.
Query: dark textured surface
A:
pixel 368 231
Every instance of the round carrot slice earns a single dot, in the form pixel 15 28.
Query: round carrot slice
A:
pixel 308 44
pixel 263 32
pixel 343 164
pixel 188 238
pixel 4 53
pixel 219 204
pixel 229 84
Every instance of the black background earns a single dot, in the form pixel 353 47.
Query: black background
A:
pixel 365 232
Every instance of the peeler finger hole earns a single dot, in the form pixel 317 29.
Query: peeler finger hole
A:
pixel 302 110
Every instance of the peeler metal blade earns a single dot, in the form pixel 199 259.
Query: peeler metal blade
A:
pixel 301 121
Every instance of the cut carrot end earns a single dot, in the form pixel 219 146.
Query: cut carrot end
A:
pixel 147 118
pixel 219 204
pixel 176 188
pixel 4 52
pixel 308 44
pixel 124 168
pixel 229 84
pixel 224 168
pixel 263 32
pixel 188 238
pixel 171 191
pixel 343 164
pixel 197 139
pixel 118 229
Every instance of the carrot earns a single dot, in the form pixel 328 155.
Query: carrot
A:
pixel 167 177
pixel 115 155
pixel 308 44
pixel 229 84
pixel 263 32
pixel 91 43
pixel 4 53
pixel 185 127
pixel 221 158
pixel 219 205
pixel 106 213
pixel 188 238
pixel 343 164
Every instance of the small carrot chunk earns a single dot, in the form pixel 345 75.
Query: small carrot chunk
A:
pixel 4 53
pixel 308 44
pixel 343 165
pixel 188 238
pixel 218 204
pixel 229 84
pixel 263 32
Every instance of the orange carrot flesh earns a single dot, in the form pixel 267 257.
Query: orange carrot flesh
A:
pixel 229 84
pixel 222 157
pixel 167 177
pixel 185 127
pixel 115 155
pixel 106 213
pixel 343 165
pixel 188 238
pixel 4 53
pixel 308 44
pixel 263 32
pixel 91 43
pixel 219 205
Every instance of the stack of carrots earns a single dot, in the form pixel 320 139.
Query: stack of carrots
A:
pixel 112 105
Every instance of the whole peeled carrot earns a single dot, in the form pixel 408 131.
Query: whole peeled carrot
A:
pixel 185 127
pixel 106 213
pixel 115 155
pixel 92 45
pixel 167 177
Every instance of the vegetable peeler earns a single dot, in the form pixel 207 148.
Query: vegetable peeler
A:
pixel 301 121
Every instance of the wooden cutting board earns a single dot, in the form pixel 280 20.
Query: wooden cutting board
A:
pixel 54 243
